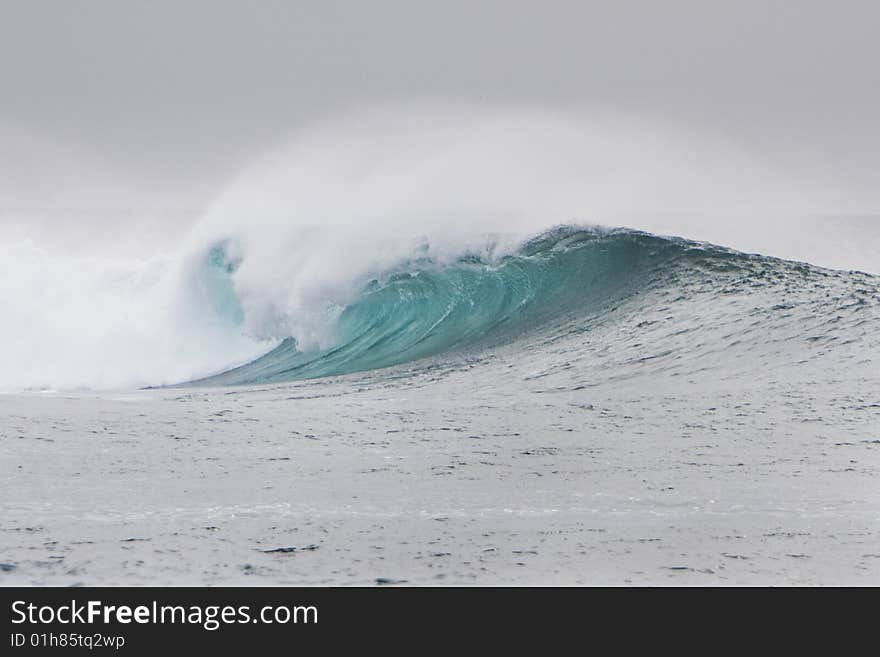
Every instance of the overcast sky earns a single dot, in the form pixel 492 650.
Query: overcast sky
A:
pixel 174 96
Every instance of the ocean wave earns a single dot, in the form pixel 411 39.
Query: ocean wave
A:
pixel 231 310
pixel 564 281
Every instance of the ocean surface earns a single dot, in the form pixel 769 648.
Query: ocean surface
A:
pixel 586 405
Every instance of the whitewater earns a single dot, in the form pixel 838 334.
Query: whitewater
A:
pixel 525 349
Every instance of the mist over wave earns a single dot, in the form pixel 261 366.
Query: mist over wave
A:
pixel 285 254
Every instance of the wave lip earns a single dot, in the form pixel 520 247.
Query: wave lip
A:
pixel 561 281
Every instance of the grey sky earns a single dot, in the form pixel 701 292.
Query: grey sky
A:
pixel 174 96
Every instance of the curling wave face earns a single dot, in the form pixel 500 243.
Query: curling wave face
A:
pixel 692 303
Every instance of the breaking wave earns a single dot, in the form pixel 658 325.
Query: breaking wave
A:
pixel 560 283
